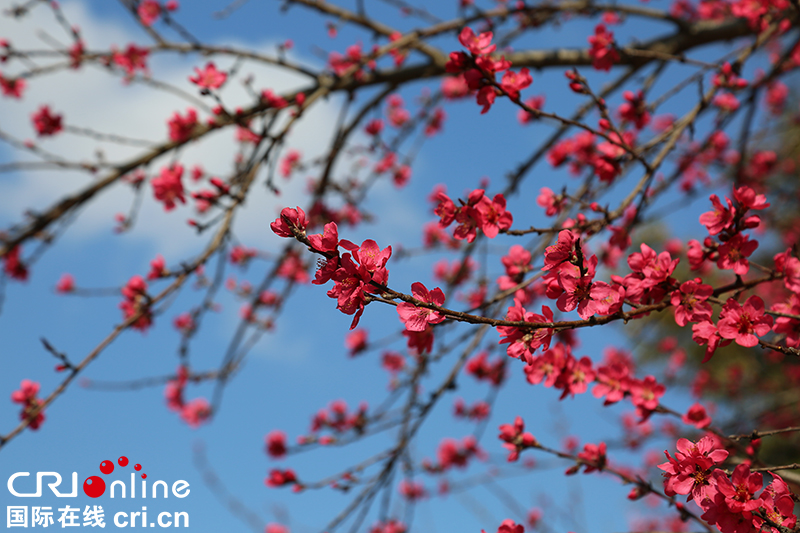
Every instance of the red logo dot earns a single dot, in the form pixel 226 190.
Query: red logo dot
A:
pixel 94 487
pixel 123 461
pixel 106 467
pixel 144 476
pixel 137 467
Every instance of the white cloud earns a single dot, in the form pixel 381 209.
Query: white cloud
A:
pixel 94 98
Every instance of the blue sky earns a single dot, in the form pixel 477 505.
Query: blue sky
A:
pixel 302 365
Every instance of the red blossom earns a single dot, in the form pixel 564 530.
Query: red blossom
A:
pixel 276 444
pixel 209 77
pixel 45 123
pixel 149 11
pixel 603 52
pixel 744 323
pixel 168 186
pixel 696 416
pixel 417 318
pixel 182 127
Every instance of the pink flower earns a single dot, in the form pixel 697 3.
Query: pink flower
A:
pixel 515 438
pixel 706 333
pixel 374 127
pixel 777 92
pixel 417 318
pixel 603 53
pixel 196 412
pixel 634 110
pixel 273 100
pixel 492 214
pixel 290 218
pixel 65 284
pixel 522 343
pixel 477 44
pixel 136 302
pixel 173 392
pixel 486 97
pixel 276 444
pixel 454 87
pixel 241 255
pixel 563 250
pixel 356 341
pixel 696 416
pixel 290 162
pixel 168 187
pixel 593 457
pixel 517 262
pixel 328 241
pixel 514 82
pixel 480 368
pixel 689 472
pixel 27 391
pixel 645 395
pixel 535 103
pixel 158 268
pixel 744 323
pixel 718 219
pixel 132 59
pixel 149 11
pixel 12 87
pixel 26 395
pixel 181 128
pixel 412 490
pixel 46 123
pixel 739 491
pixel 184 323
pixel 279 478
pixel 726 101
pixel 575 376
pixel 788 326
pixel 690 302
pixel 209 77
pixel 733 254
pixel 393 362
pixel 13 265
pixel 612 382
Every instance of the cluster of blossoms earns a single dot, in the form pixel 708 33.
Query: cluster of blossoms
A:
pixel 209 77
pixel 205 198
pixel 13 267
pixel 136 301
pixel 352 58
pixel 479 212
pixel 46 123
pixel 181 127
pixel 452 453
pixel 478 411
pixel 742 324
pixel 613 380
pixel 194 412
pixel 479 69
pixel 131 60
pixel 359 271
pixel 583 151
pixel 12 87
pixel 149 11
pixel 26 395
pixel 335 418
pixel 729 502
pixel 603 51
pixel 481 369
pixel 168 186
